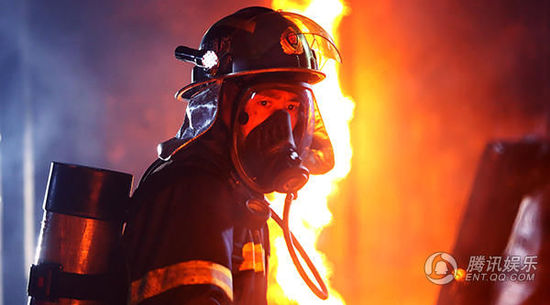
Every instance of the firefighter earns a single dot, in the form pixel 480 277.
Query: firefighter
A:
pixel 196 231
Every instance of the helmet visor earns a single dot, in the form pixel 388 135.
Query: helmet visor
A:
pixel 317 38
pixel 275 40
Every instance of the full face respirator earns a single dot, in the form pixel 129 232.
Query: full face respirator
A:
pixel 272 132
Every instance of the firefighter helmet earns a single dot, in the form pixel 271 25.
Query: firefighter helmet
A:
pixel 259 40
pixel 254 44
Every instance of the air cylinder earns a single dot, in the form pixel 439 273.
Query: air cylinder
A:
pixel 78 258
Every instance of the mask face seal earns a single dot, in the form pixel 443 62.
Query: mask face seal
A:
pixel 272 131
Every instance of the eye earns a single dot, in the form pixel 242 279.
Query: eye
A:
pixel 263 102
pixel 291 107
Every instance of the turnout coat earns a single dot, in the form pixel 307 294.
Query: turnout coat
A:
pixel 190 238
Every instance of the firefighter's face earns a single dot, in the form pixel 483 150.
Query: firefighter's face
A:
pixel 265 102
pixel 273 127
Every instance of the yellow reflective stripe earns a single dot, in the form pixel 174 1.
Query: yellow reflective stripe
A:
pixel 248 255
pixel 254 257
pixel 259 255
pixel 194 272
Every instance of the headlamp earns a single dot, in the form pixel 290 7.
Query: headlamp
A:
pixel 206 59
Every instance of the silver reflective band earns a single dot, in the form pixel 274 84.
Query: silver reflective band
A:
pixel 194 272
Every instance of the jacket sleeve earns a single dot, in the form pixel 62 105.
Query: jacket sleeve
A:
pixel 179 241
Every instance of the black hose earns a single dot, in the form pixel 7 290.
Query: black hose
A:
pixel 292 244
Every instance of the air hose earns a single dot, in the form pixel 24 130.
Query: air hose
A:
pixel 293 244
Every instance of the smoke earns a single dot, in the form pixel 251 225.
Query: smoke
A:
pixel 99 78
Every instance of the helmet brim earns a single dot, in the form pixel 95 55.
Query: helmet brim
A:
pixel 309 76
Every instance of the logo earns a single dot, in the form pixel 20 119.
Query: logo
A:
pixel 291 43
pixel 440 268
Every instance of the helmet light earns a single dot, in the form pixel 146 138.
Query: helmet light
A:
pixel 206 59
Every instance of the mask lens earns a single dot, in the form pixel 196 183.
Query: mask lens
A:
pixel 261 102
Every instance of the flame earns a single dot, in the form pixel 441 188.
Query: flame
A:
pixel 310 213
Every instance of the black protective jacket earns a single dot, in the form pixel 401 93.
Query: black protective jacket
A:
pixel 189 238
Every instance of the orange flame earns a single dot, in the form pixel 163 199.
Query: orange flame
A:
pixel 310 213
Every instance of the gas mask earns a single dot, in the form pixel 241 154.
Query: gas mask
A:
pixel 273 133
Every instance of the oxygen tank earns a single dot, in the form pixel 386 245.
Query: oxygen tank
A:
pixel 78 256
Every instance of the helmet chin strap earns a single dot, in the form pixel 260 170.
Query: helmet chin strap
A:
pixel 293 245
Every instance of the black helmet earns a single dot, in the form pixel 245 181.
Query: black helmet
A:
pixel 255 43
pixel 259 40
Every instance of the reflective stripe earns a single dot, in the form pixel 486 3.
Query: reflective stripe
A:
pixel 248 255
pixel 195 272
pixel 254 257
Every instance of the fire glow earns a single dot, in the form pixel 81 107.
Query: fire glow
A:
pixel 310 213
